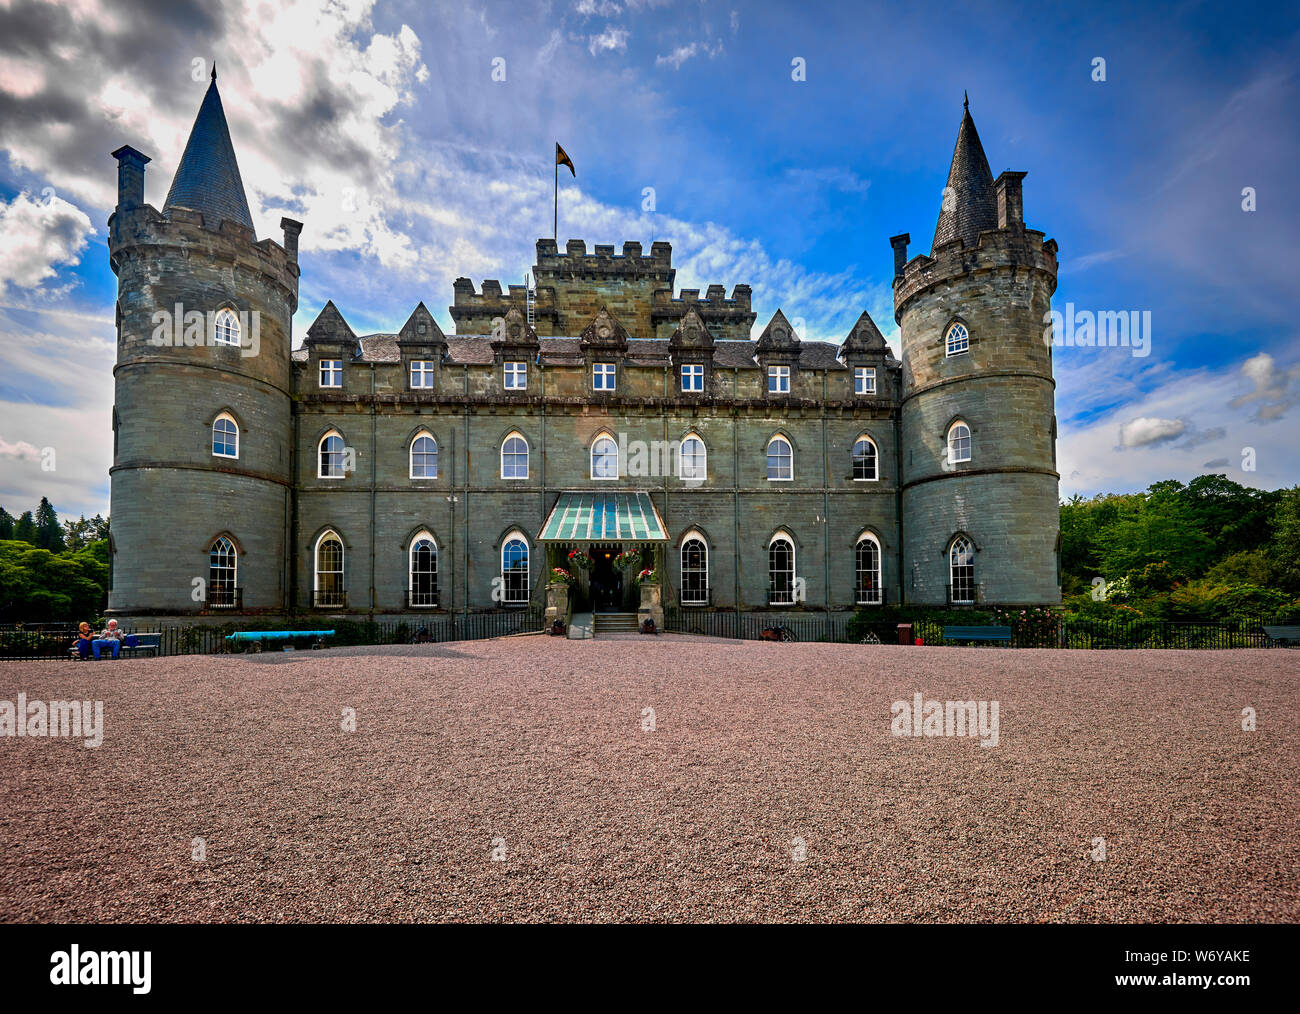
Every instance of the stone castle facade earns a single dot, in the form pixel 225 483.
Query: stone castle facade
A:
pixel 595 410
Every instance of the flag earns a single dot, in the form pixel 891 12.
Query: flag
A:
pixel 562 158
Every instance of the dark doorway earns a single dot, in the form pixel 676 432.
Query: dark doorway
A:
pixel 606 581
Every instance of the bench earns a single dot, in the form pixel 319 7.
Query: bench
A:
pixel 258 637
pixel 132 645
pixel 999 634
pixel 1283 635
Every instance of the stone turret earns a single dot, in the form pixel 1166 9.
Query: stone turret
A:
pixel 203 331
pixel 975 366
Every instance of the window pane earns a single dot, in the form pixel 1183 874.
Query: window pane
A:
pixel 424 458
pixel 868 573
pixel 781 572
pixel 780 460
pixel 514 571
pixel 695 573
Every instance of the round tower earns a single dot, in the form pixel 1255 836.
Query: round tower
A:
pixel 202 448
pixel 980 509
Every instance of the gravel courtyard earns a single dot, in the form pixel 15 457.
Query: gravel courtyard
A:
pixel 534 749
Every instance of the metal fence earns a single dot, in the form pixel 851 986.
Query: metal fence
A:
pixel 1063 633
pixel 34 641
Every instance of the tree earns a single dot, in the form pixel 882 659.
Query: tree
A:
pixel 49 533
pixel 6 525
pixel 1286 539
pixel 25 529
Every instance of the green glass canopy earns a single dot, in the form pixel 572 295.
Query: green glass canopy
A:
pixel 604 517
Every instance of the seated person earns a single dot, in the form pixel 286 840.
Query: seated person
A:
pixel 110 635
pixel 84 640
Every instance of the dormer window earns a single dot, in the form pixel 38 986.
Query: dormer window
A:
pixel 864 380
pixel 778 380
pixel 693 378
pixel 602 376
pixel 331 373
pixel 422 373
pixel 957 340
pixel 516 376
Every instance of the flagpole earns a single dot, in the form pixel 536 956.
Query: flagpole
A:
pixel 555 223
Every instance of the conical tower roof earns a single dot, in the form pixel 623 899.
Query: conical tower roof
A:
pixel 969 205
pixel 207 179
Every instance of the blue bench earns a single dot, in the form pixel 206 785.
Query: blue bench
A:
pixel 132 645
pixel 1283 635
pixel 257 638
pixel 999 634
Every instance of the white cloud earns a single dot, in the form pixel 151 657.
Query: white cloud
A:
pixel 1276 390
pixel 610 40
pixel 1143 431
pixel 36 236
pixel 681 54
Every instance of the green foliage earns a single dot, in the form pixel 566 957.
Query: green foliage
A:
pixel 39 586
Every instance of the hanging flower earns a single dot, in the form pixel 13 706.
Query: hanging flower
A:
pixel 628 559
pixel 560 576
pixel 579 559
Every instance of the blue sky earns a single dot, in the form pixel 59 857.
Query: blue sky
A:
pixel 381 127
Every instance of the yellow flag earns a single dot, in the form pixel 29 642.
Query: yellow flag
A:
pixel 562 158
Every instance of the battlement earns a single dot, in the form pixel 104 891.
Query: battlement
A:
pixel 996 249
pixel 603 263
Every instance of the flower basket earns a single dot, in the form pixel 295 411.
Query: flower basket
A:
pixel 648 576
pixel 627 560
pixel 579 560
pixel 561 576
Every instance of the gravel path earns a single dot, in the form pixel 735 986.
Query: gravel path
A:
pixel 538 743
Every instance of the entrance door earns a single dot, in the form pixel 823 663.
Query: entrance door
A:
pixel 606 581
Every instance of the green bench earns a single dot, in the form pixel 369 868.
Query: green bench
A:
pixel 1283 635
pixel 998 634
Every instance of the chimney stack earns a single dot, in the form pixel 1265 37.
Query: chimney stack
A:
pixel 1011 202
pixel 899 243
pixel 130 177
pixel 291 231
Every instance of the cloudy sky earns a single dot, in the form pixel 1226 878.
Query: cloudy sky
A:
pixel 380 125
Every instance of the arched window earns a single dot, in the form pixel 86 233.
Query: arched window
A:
pixel 693 459
pixel 222 574
pixel 604 457
pixel 225 436
pixel 514 570
pixel 957 340
pixel 961 565
pixel 864 460
pixel 867 589
pixel 780 571
pixel 780 460
pixel 226 328
pixel 514 457
pixel 695 570
pixel 958 442
pixel 423 569
pixel 331 456
pixel 424 457
pixel 328 591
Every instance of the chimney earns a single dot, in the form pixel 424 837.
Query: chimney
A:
pixel 291 230
pixel 1011 201
pixel 899 243
pixel 130 177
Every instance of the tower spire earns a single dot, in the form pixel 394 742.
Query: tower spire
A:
pixel 207 179
pixel 969 205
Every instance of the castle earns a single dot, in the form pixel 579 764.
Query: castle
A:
pixel 591 411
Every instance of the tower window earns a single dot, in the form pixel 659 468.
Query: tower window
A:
pixel 226 328
pixel 778 380
pixel 959 443
pixel 422 373
pixel 222 563
pixel 864 380
pixel 602 376
pixel 864 460
pixel 961 562
pixel 225 437
pixel 780 460
pixel 693 377
pixel 516 376
pixel 331 373
pixel 329 571
pixel 957 341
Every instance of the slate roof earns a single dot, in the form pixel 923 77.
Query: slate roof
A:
pixel 476 350
pixel 207 179
pixel 969 205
